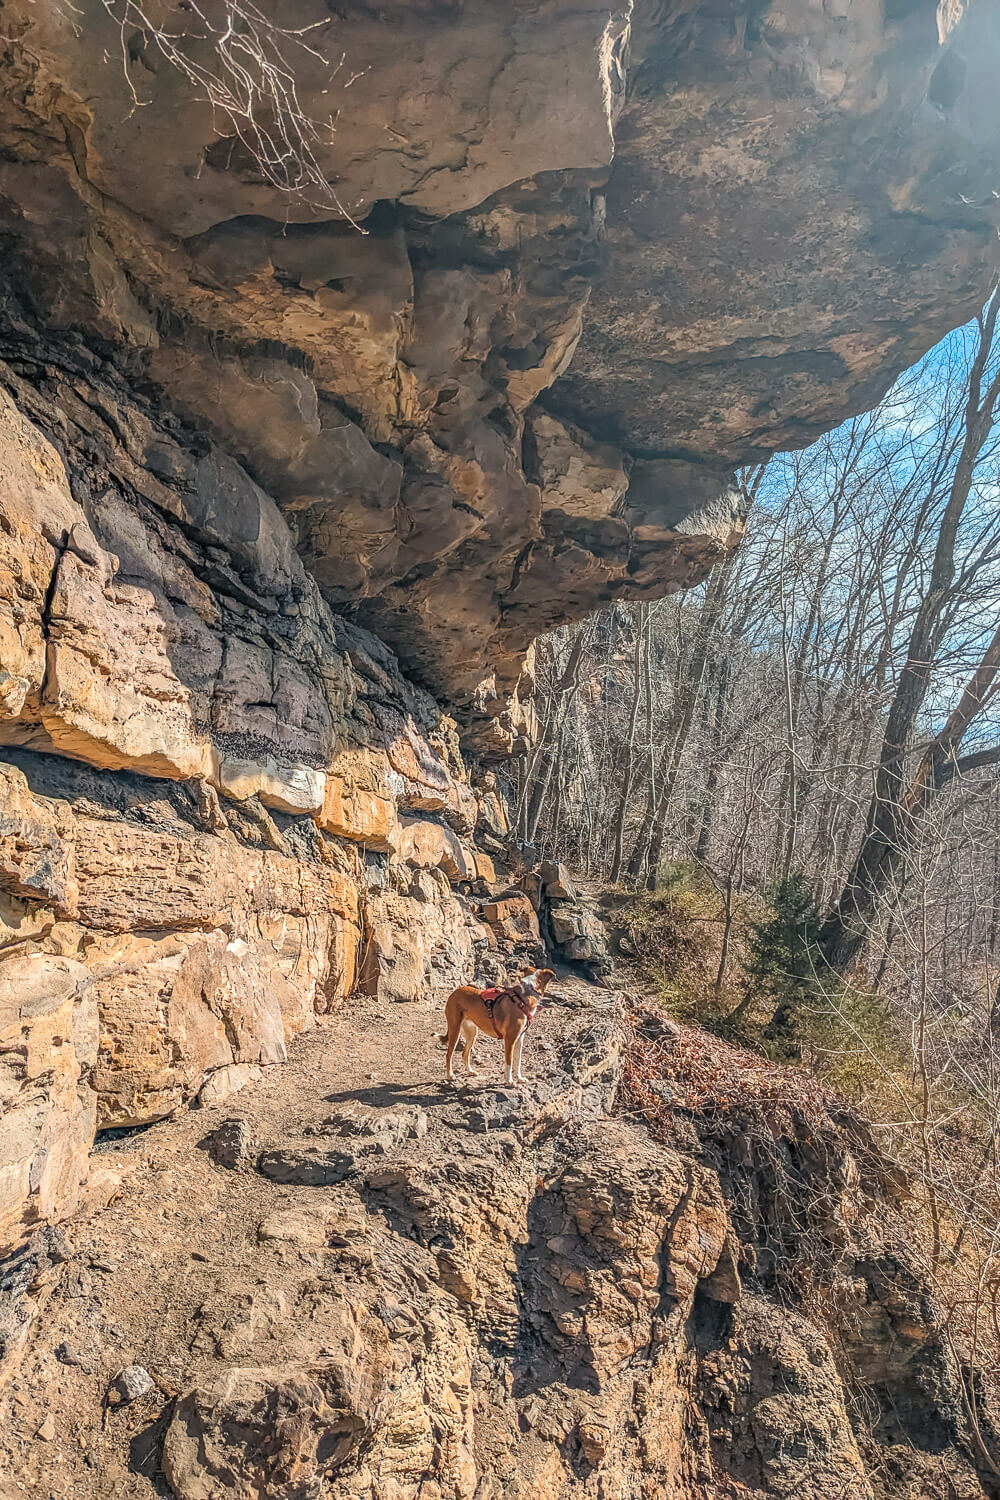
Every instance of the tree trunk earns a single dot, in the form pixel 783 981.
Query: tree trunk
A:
pixel 641 646
pixel 894 807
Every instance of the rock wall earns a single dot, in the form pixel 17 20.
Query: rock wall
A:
pixel 222 809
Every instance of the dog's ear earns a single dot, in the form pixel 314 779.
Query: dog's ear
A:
pixel 544 978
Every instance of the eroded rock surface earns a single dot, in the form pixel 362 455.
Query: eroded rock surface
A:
pixel 222 808
pixel 282 447
pixel 528 281
pixel 495 1291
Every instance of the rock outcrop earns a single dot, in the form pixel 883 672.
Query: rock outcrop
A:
pixel 457 331
pixel 491 304
pixel 209 785
pixel 396 1287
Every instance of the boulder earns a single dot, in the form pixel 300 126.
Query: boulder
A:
pixel 224 1082
pixel 556 882
pixel 306 1166
pixel 131 1384
pixel 230 1144
pixel 416 945
pixel 531 885
pixel 512 919
pixel 48 1050
pixel 26 1279
pixel 427 845
pixel 377 1130
pixel 303 1228
pixel 256 1431
pixel 568 922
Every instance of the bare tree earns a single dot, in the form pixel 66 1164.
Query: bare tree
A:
pixel 896 803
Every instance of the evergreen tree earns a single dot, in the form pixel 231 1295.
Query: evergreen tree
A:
pixel 784 960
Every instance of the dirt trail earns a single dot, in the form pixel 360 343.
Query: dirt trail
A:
pixel 172 1276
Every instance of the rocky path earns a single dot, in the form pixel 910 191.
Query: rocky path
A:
pixel 353 1281
pixel 195 1263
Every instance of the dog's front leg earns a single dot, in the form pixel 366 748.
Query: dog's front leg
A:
pixel 519 1048
pixel 454 1031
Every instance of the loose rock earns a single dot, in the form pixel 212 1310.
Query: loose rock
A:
pixel 70 1353
pixel 132 1383
pixel 231 1144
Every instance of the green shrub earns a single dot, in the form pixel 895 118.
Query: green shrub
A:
pixel 849 1036
pixel 852 1039
pixel 783 962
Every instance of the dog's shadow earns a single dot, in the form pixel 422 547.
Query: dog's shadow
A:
pixel 385 1095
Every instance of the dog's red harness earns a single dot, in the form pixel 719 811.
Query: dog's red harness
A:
pixel 492 997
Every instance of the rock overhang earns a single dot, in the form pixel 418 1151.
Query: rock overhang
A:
pixel 578 262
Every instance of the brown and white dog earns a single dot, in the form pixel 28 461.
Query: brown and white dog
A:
pixel 507 1018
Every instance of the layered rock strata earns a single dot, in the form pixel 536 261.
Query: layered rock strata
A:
pixel 222 809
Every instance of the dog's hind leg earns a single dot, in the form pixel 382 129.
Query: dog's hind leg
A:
pixel 508 1052
pixel 454 1014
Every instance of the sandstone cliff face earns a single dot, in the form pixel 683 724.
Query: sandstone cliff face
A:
pixel 603 253
pixel 153 934
pixel 278 457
